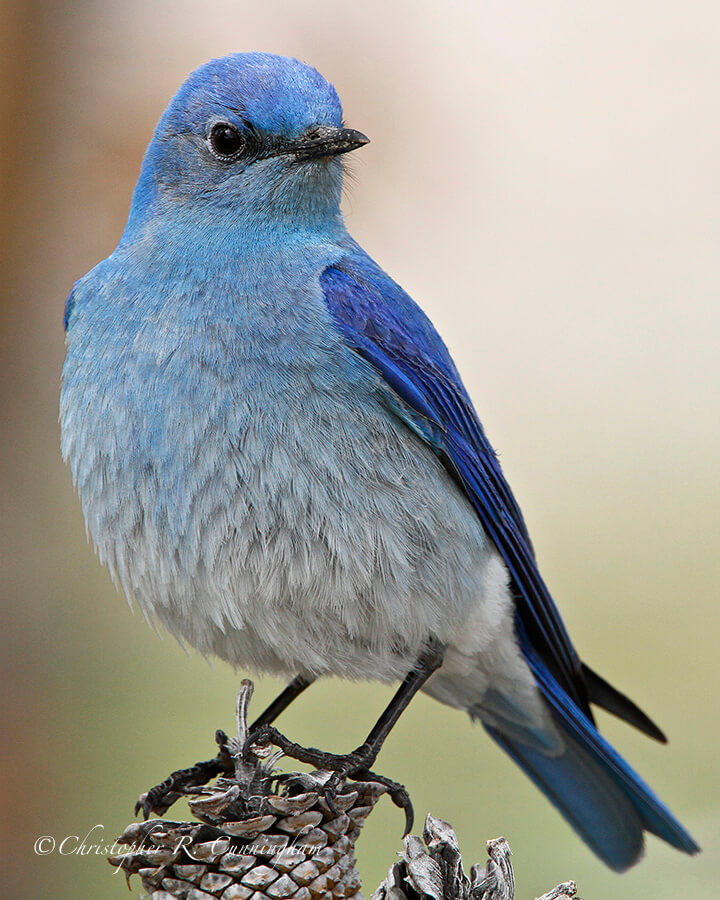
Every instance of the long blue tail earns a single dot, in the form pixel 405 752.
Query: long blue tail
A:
pixel 600 795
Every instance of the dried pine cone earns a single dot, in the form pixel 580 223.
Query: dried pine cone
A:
pixel 264 836
pixel 297 847
pixel 261 835
pixel 433 870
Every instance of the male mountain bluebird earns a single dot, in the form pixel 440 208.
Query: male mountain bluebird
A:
pixel 277 459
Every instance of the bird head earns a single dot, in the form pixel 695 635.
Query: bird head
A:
pixel 251 138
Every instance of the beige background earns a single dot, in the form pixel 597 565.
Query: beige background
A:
pixel 543 178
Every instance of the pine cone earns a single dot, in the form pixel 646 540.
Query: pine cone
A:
pixel 296 847
pixel 432 869
pixel 261 835
pixel 269 836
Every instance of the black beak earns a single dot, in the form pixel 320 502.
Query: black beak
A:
pixel 326 140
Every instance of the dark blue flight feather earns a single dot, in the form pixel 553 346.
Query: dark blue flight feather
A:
pixel 591 784
pixel 384 325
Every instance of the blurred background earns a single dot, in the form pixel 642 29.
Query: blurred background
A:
pixel 544 180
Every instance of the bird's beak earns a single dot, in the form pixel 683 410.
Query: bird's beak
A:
pixel 326 140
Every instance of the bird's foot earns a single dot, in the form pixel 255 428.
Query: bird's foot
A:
pixel 160 798
pixel 343 764
pixel 354 765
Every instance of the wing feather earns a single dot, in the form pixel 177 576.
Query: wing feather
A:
pixel 383 324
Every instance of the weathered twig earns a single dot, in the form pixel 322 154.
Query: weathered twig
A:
pixel 262 835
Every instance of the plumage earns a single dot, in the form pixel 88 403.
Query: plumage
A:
pixel 277 458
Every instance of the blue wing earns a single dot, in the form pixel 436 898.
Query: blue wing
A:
pixel 595 789
pixel 383 324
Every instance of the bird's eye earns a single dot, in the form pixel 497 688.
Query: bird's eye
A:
pixel 225 140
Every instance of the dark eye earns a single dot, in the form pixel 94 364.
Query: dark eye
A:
pixel 226 142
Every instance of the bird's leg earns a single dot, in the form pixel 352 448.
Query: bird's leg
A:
pixel 357 764
pixel 430 659
pixel 282 701
pixel 161 797
pixel 364 756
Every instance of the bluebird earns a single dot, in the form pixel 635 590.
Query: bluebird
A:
pixel 278 461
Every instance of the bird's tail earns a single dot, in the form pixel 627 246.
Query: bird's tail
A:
pixel 599 794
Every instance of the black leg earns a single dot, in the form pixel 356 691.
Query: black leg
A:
pixel 357 765
pixel 365 755
pixel 430 660
pixel 161 797
pixel 282 701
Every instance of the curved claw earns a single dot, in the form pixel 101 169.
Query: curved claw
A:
pixel 157 800
pixel 396 791
pixel 329 796
pixel 402 801
pixel 142 804
pixel 262 736
pixel 160 798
